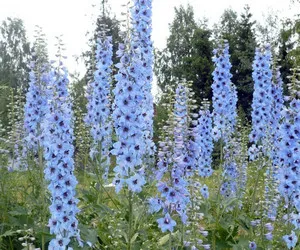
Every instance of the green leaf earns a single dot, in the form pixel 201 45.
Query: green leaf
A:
pixel 8 233
pixel 164 240
pixel 134 238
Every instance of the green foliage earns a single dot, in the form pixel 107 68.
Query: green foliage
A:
pixel 14 53
pixel 4 100
pixel 187 55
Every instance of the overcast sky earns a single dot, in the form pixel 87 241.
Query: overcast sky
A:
pixel 73 18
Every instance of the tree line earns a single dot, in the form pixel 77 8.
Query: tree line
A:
pixel 187 55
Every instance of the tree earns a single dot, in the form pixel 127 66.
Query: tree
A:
pixel 227 28
pixel 285 45
pixel 14 53
pixel 187 55
pixel 246 44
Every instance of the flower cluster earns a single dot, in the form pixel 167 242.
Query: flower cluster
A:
pixel 98 108
pixel 35 102
pixel 173 191
pixel 230 170
pixel 289 158
pixel 142 29
pixel 288 173
pixel 224 94
pixel 272 196
pixel 204 141
pixel 128 120
pixel 277 107
pixel 58 154
pixel 288 154
pixel 198 194
pixel 290 240
pixel 262 99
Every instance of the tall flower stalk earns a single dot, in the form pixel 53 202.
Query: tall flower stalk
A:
pixel 142 31
pixel 224 94
pixel 224 103
pixel 204 140
pixel 267 105
pixel 288 175
pixel 224 116
pixel 99 106
pixel 262 99
pixel 132 116
pixel 36 101
pixel 173 165
pixel 58 153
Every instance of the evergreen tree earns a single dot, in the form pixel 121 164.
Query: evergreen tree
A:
pixel 245 50
pixel 187 55
pixel 285 45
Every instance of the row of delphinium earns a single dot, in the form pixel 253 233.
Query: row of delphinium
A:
pixel 190 195
pixel 184 152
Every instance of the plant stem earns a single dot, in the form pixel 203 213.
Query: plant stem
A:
pixel 218 198
pixel 170 241
pixel 254 193
pixel 43 195
pixel 130 219
pixel 43 241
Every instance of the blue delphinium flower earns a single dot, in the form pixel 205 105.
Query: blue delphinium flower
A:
pixel 262 99
pixel 155 204
pixel 166 223
pixel 142 31
pixel 289 158
pixel 98 108
pixel 204 191
pixel 288 153
pixel 58 153
pixel 128 118
pixel 204 142
pixel 231 174
pixel 224 94
pixel 35 102
pixel 252 245
pixel 174 161
pixel 271 181
pixel 290 240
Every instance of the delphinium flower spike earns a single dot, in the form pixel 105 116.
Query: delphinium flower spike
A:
pixel 99 105
pixel 128 119
pixel 204 141
pixel 141 13
pixel 262 99
pixel 224 95
pixel 173 166
pixel 35 98
pixel 272 196
pixel 289 157
pixel 58 153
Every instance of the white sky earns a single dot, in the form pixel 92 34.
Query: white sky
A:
pixel 73 18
